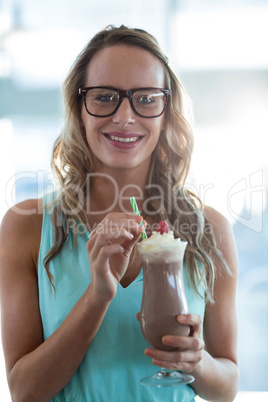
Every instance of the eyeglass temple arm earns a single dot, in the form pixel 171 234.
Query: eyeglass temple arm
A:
pixel 82 91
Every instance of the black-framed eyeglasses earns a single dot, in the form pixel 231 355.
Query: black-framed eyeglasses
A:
pixel 105 101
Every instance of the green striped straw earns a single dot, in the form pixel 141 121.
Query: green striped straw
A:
pixel 137 212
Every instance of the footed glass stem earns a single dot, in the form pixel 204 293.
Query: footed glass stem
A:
pixel 167 378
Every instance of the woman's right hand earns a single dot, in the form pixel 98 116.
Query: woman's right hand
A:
pixel 29 357
pixel 109 248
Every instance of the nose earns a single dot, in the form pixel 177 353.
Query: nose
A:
pixel 125 114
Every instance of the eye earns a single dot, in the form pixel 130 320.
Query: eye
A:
pixel 145 99
pixel 106 97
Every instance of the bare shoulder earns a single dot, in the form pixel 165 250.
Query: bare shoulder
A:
pixel 26 213
pixel 224 236
pixel 28 208
pixel 20 235
pixel 218 222
pixel 21 228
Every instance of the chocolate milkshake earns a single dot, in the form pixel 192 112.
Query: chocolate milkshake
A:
pixel 163 288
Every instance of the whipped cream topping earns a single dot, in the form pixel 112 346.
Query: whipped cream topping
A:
pixel 165 243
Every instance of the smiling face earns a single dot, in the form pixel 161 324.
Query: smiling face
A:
pixel 123 140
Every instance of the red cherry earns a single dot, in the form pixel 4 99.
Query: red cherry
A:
pixel 162 227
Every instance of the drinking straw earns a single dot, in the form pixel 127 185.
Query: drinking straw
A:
pixel 137 212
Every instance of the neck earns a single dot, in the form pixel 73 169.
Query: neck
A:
pixel 111 192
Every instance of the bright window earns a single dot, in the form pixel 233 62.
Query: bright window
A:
pixel 219 51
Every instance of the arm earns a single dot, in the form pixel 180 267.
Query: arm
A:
pixel 30 361
pixel 31 370
pixel 213 362
pixel 217 377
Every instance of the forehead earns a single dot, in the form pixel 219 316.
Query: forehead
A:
pixel 125 67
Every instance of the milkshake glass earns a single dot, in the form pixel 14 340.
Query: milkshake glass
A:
pixel 163 299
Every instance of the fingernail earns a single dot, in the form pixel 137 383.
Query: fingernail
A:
pixel 149 352
pixel 166 340
pixel 182 318
pixel 130 235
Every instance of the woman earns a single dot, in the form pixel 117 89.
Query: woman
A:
pixel 70 292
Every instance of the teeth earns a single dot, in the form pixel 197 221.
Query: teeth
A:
pixel 122 139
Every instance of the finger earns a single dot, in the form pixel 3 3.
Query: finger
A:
pixel 138 316
pixel 107 251
pixel 105 238
pixel 129 244
pixel 112 221
pixel 185 367
pixel 171 358
pixel 194 321
pixel 118 216
pixel 116 227
pixel 176 342
pixel 183 342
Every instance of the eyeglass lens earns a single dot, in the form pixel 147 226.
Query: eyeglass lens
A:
pixel 146 102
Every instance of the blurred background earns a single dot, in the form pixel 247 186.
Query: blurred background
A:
pixel 218 48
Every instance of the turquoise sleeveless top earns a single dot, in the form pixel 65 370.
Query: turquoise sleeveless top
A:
pixel 115 362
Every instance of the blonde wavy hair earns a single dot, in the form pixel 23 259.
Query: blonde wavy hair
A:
pixel 170 163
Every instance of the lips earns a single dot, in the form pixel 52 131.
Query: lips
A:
pixel 123 140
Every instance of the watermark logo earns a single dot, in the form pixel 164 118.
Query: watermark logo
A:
pixel 248 191
pixel 251 190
